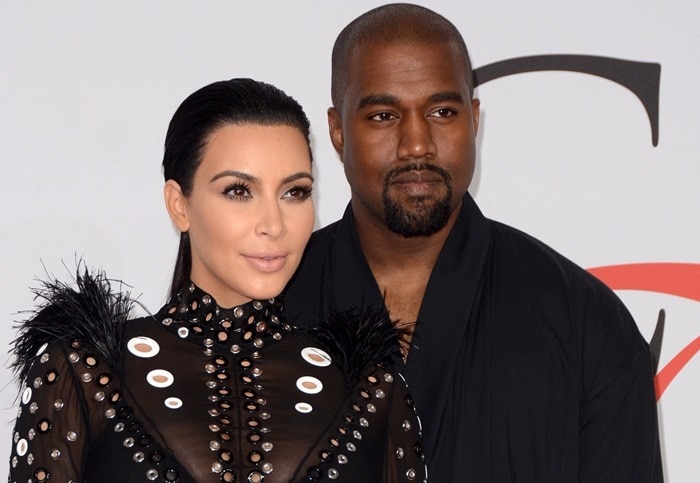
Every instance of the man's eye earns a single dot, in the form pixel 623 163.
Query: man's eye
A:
pixel 382 117
pixel 443 112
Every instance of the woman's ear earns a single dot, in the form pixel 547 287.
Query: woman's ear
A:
pixel 176 204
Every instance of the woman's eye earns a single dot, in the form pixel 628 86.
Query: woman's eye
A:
pixel 299 193
pixel 237 191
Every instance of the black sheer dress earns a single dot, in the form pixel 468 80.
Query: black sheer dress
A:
pixel 207 394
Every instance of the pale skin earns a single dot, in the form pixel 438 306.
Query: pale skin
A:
pixel 405 102
pixel 250 212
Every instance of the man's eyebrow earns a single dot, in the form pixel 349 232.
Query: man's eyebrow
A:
pixel 447 96
pixel 235 174
pixel 376 100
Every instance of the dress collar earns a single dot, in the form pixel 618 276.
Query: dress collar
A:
pixel 194 315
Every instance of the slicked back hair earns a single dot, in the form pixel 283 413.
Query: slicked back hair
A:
pixel 396 23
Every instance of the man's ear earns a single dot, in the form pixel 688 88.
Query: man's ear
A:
pixel 476 112
pixel 335 129
pixel 176 204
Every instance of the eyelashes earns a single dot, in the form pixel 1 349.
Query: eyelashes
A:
pixel 240 191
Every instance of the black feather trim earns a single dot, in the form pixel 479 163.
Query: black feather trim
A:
pixel 359 340
pixel 87 310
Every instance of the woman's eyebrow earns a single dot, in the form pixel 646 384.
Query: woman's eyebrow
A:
pixel 235 174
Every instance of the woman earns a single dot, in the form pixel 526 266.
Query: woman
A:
pixel 217 386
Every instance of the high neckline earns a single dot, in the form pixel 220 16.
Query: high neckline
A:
pixel 194 315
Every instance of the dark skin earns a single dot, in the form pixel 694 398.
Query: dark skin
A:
pixel 404 103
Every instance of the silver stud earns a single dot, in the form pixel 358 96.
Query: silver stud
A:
pixel 58 404
pixel 31 434
pixel 264 415
pixel 211 384
pixel 213 412
pixel 258 343
pixel 364 423
pixel 217 467
pixel 235 348
pixel 257 305
pixel 16 437
pixel 138 457
pixel 206 299
pixel 214 445
pixel 214 428
pixel 257 371
pixel 267 446
pixel 255 355
pixel 351 447
pixel 151 474
pixel 44 357
pixel 277 336
pixel 14 461
pixel 86 377
pixel 100 396
pixel 72 436
pixel 333 474
pixel 238 312
pixel 342 459
pixel 73 357
pixel 33 407
pixel 38 382
pixel 208 352
pixel 406 425
pixel 208 342
pixel 379 393
pixel 55 454
pixel 110 413
pixel 128 442
pixel 411 474
pixel 267 468
pixel 119 427
pixel 356 434
pixel 388 377
pixel 167 321
pixel 371 408
pixel 399 452
pixel 30 458
pixel 274 319
pixel 210 368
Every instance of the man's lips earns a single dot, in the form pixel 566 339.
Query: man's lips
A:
pixel 418 177
pixel 417 183
pixel 267 262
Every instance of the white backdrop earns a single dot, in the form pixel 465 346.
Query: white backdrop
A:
pixel 86 93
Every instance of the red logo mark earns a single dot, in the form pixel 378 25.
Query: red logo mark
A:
pixel 680 279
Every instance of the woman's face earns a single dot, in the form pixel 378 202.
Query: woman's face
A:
pixel 250 212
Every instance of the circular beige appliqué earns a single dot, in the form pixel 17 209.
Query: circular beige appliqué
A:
pixel 160 378
pixel 316 356
pixel 309 385
pixel 143 346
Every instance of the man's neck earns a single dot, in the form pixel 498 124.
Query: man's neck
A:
pixel 401 266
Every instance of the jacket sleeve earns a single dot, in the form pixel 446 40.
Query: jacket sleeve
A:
pixel 619 437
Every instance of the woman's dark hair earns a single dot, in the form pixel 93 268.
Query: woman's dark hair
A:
pixel 235 101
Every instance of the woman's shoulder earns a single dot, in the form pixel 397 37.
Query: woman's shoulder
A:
pixel 87 311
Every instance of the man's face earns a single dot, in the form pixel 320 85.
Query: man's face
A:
pixel 405 134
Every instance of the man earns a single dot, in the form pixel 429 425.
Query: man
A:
pixel 522 366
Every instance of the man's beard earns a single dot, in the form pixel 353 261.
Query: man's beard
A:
pixel 418 218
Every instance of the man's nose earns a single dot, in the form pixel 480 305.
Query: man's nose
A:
pixel 416 138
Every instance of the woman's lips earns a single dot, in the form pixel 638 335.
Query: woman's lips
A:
pixel 267 263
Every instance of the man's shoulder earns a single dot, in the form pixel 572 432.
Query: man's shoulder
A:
pixel 538 260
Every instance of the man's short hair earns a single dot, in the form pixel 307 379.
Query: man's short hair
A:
pixel 393 24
